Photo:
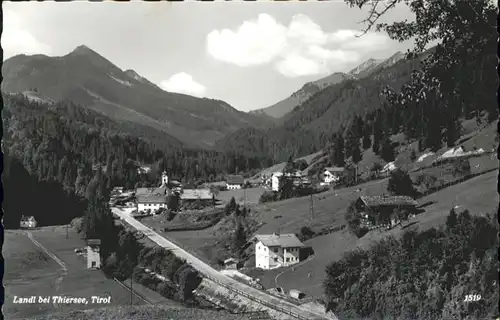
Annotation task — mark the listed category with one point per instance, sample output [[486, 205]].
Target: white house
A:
[[93, 254], [28, 222], [276, 250], [234, 182], [332, 174], [277, 177], [151, 202], [275, 181]]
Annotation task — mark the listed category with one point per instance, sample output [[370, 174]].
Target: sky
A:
[[250, 55]]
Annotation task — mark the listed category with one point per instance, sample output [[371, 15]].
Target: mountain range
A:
[[325, 111], [365, 69], [86, 78]]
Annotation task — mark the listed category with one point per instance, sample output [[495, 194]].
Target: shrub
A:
[[268, 196], [354, 221], [170, 215], [306, 233], [461, 167], [400, 183]]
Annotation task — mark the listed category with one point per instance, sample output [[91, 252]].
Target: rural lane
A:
[[64, 268], [207, 270]]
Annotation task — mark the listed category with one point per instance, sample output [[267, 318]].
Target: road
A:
[[207, 270], [64, 269]]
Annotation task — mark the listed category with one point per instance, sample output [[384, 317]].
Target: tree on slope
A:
[[400, 183]]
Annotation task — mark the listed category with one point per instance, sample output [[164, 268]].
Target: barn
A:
[[387, 211]]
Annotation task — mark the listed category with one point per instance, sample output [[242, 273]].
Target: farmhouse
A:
[[191, 195], [333, 174], [234, 182], [276, 250], [151, 202], [383, 210], [144, 169], [28, 222]]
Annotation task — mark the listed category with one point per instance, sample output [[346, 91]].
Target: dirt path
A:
[[64, 269], [293, 268]]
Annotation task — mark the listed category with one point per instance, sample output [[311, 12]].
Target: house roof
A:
[[235, 179], [140, 191], [151, 198], [230, 260], [279, 240], [376, 201], [334, 169], [93, 242], [193, 194], [159, 190]]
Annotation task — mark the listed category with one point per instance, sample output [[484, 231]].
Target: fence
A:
[[454, 182], [260, 301], [134, 292]]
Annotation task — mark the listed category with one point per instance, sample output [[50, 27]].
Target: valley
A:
[[367, 193]]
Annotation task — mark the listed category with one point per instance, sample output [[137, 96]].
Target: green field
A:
[[251, 195], [478, 195], [30, 271]]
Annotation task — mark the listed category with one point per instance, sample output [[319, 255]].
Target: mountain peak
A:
[[83, 49], [365, 67]]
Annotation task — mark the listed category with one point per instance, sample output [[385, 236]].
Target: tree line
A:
[[60, 153], [423, 275]]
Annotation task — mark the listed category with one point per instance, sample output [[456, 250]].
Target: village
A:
[[269, 251]]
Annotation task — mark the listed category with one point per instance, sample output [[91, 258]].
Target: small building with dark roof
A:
[[383, 210], [196, 194], [234, 182]]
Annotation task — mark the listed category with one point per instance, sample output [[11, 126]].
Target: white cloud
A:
[[16, 40], [299, 49], [254, 43], [183, 83]]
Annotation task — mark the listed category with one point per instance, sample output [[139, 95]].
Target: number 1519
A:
[[472, 297]]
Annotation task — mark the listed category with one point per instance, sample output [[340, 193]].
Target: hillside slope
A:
[[365, 69], [145, 313], [85, 77], [308, 127], [283, 107]]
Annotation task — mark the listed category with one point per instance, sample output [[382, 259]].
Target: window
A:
[[287, 259], [275, 250], [93, 264], [275, 259]]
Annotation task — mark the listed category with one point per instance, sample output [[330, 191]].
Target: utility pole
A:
[[131, 290], [312, 206], [244, 198]]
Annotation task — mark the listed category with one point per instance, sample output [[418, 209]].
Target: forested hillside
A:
[[310, 126], [58, 153], [85, 77], [426, 97], [448, 272], [423, 275]]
